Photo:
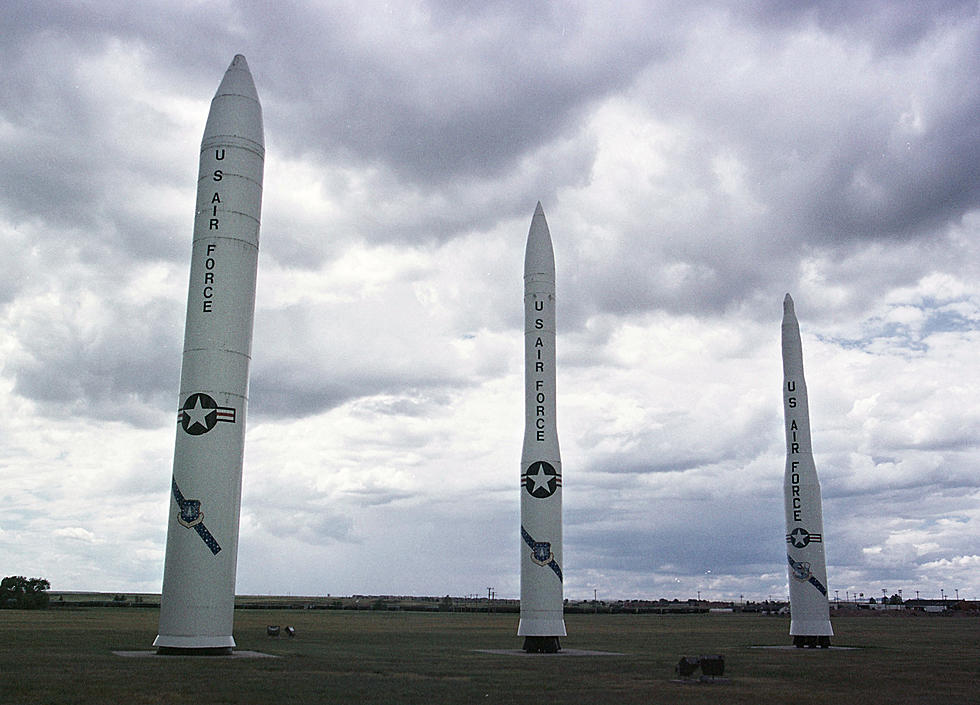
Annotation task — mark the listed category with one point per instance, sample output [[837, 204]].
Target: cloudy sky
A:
[[695, 163]]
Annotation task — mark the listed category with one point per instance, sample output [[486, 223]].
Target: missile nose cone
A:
[[238, 80], [235, 108], [792, 345], [788, 308], [539, 257]]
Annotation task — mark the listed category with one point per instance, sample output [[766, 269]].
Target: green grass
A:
[[64, 656]]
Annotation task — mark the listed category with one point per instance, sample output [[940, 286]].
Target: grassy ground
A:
[[394, 657]]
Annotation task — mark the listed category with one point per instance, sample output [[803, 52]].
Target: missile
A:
[[198, 600], [807, 566], [542, 618]]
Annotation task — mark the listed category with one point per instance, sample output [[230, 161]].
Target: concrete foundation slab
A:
[[154, 654], [563, 652]]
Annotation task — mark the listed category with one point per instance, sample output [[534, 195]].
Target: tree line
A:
[[18, 592]]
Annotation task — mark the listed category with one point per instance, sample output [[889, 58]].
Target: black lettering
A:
[[538, 383], [211, 248], [219, 154], [539, 305], [795, 479], [538, 323], [791, 402], [209, 263], [218, 175], [209, 277], [793, 466], [540, 411], [216, 198], [539, 423], [538, 344], [540, 435], [796, 515], [793, 425], [540, 398], [207, 306], [213, 225], [208, 292], [796, 490], [539, 354], [539, 367], [794, 447], [796, 502]]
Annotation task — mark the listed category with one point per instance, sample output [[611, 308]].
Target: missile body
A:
[[806, 563], [542, 617], [197, 605]]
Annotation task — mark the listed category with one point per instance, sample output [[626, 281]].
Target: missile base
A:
[[542, 644], [179, 651], [811, 642]]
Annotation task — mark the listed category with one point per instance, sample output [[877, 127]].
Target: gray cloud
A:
[[892, 28], [695, 161], [441, 95], [122, 367]]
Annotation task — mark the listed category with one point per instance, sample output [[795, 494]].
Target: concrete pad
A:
[[563, 652], [154, 654], [790, 647]]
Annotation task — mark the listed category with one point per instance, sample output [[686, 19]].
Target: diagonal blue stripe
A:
[[553, 564], [812, 580], [202, 531]]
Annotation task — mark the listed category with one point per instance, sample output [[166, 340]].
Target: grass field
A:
[[65, 656]]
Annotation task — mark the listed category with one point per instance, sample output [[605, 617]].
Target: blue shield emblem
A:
[[541, 552], [801, 569], [190, 513]]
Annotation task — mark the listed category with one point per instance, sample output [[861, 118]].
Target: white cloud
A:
[[76, 533], [695, 162]]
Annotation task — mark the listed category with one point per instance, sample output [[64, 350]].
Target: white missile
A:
[[807, 565], [197, 605], [542, 616]]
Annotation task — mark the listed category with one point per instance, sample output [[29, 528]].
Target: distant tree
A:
[[446, 604], [22, 593], [896, 600]]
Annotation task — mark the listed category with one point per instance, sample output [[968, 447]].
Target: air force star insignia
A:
[[541, 480], [200, 413], [801, 538]]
